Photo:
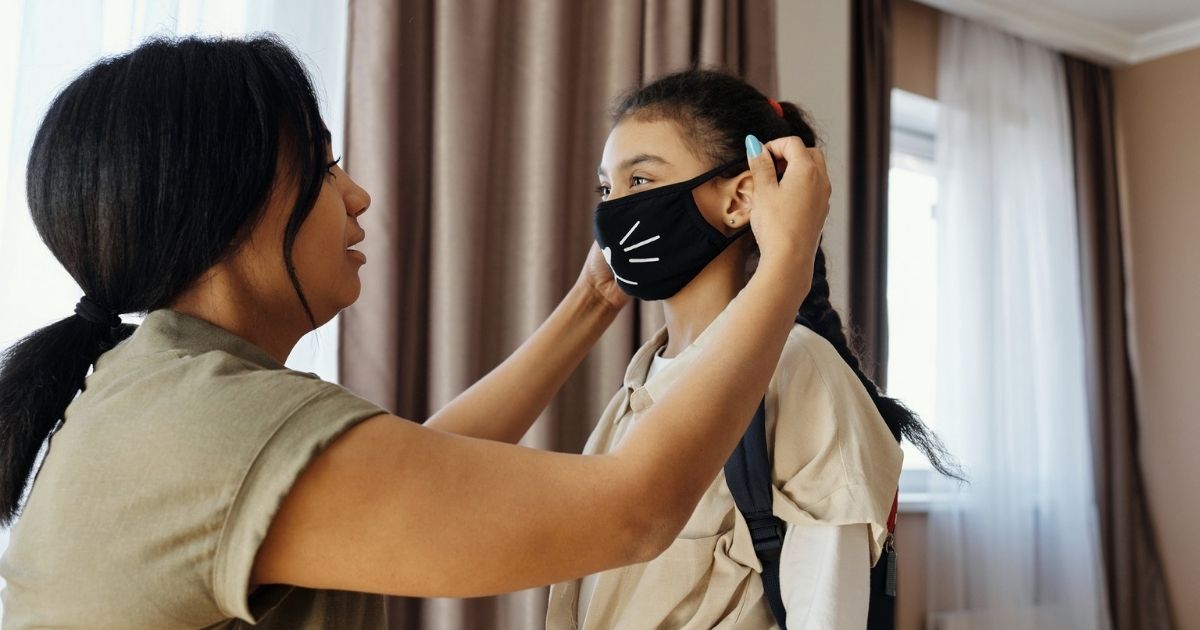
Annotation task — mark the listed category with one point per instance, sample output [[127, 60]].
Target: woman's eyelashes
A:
[[604, 190], [329, 167]]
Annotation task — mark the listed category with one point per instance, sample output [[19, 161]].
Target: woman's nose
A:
[[357, 201]]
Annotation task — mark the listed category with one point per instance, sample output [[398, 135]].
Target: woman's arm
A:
[[518, 390], [393, 507], [824, 576]]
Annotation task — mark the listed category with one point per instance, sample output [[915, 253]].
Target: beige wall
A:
[[912, 541], [915, 48], [1158, 110], [814, 72]]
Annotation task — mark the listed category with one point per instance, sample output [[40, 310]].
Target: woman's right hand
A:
[[788, 213]]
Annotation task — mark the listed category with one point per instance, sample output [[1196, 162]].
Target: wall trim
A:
[[1075, 34], [1167, 41]]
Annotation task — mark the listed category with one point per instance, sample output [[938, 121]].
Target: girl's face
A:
[[326, 262], [641, 155]]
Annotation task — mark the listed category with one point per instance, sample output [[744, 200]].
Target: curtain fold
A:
[[1137, 595], [1019, 546], [477, 128], [870, 155]]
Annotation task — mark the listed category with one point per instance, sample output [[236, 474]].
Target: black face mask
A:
[[657, 241]]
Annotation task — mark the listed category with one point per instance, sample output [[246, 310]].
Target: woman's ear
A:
[[737, 214]]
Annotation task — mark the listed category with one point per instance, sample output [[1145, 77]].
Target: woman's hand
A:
[[505, 403], [597, 278], [788, 213]]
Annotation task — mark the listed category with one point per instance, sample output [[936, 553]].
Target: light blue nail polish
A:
[[753, 146]]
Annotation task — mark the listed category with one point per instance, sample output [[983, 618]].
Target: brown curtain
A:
[[870, 155], [1137, 592], [477, 126]]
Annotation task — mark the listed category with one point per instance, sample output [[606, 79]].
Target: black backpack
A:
[[748, 474]]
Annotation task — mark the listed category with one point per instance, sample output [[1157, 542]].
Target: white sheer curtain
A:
[[1017, 548], [45, 43]]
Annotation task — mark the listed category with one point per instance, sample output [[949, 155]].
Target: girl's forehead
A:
[[633, 138]]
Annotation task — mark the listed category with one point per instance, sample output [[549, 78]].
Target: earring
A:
[[732, 221]]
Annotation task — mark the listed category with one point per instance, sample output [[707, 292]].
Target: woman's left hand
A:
[[597, 277]]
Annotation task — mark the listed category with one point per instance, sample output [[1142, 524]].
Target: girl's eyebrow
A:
[[641, 158]]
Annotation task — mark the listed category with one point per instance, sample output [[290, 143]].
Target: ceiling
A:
[[1116, 32]]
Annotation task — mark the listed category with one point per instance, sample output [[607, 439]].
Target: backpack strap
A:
[[748, 475]]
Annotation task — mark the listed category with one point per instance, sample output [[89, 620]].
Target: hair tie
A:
[[776, 106], [92, 312]]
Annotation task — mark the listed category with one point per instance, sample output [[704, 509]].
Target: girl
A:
[[673, 224], [196, 482]]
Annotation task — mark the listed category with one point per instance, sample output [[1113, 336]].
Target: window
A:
[[912, 274]]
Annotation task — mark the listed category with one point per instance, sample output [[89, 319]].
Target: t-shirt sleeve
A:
[[307, 423], [823, 580], [835, 460]]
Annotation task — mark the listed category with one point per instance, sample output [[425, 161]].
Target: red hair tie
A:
[[776, 106]]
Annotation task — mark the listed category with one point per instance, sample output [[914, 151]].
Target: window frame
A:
[[914, 147]]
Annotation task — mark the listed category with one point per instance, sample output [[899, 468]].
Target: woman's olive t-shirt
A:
[[160, 484]]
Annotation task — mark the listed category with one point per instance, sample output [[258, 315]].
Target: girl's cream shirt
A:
[[835, 462]]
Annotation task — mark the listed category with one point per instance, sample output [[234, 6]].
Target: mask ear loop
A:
[[712, 174], [698, 218]]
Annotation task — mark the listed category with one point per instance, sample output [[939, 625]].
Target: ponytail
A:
[[39, 376]]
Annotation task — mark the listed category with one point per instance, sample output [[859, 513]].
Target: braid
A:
[[824, 320]]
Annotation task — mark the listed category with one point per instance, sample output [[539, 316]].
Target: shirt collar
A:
[[166, 329], [635, 375]]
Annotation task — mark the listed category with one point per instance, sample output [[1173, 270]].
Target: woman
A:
[[196, 482], [674, 221]]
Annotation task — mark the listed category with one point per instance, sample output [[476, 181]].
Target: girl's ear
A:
[[741, 203]]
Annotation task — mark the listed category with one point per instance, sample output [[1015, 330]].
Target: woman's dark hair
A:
[[716, 111], [148, 169]]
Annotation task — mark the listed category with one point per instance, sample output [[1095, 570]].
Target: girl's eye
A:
[[634, 182], [329, 167], [603, 190]]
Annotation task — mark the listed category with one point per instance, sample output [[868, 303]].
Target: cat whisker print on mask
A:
[[608, 259], [633, 247], [645, 242], [630, 232], [607, 251]]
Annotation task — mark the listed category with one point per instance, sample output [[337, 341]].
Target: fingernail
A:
[[753, 146]]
